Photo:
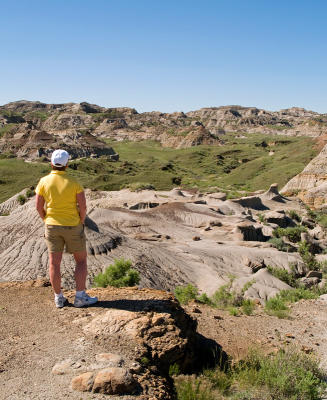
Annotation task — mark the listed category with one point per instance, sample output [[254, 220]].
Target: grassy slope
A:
[[201, 166]]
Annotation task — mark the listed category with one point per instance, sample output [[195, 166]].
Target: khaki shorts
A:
[[57, 236]]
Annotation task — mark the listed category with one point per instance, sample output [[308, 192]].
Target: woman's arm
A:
[[81, 201], [40, 205]]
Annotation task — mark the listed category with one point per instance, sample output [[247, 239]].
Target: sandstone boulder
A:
[[83, 382], [169, 337], [114, 381]]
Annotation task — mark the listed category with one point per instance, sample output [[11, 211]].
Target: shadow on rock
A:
[[210, 354]]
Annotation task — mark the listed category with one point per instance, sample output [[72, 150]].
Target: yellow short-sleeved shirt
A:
[[59, 192]]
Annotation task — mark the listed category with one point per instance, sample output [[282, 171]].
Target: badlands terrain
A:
[[189, 198], [172, 238]]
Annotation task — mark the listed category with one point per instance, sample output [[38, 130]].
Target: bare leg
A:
[[54, 271], [80, 270]]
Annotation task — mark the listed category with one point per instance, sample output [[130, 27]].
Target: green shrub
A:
[[30, 193], [118, 274], [144, 361], [219, 379], [307, 257], [223, 297], [294, 215], [247, 306], [310, 213], [289, 374], [293, 234], [247, 286], [262, 218], [283, 275], [174, 369], [21, 199], [193, 390], [322, 221], [279, 244], [294, 295], [185, 294], [277, 307], [320, 217], [203, 298], [233, 311]]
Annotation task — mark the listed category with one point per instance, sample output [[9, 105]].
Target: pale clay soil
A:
[[34, 336]]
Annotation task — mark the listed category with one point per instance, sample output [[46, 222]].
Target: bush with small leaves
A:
[[279, 244], [294, 215], [308, 258], [233, 311], [283, 275], [203, 298], [262, 218], [294, 295], [184, 294], [174, 369], [289, 374], [247, 306], [277, 307], [30, 193], [292, 233], [21, 199], [144, 361], [119, 274], [286, 375]]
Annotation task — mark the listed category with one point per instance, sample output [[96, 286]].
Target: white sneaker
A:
[[85, 300], [60, 301]]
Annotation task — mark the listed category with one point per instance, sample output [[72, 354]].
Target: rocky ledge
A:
[[124, 345]]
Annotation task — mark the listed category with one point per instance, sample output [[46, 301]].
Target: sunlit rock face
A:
[[311, 183]]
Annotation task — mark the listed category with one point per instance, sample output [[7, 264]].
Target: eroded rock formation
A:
[[25, 124], [310, 184], [160, 241]]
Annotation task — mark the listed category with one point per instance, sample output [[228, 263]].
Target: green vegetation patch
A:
[[109, 114], [287, 375], [42, 115], [292, 233], [283, 275], [224, 298], [16, 175], [119, 274], [6, 129], [238, 165]]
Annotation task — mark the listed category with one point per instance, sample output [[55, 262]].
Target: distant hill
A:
[[26, 126]]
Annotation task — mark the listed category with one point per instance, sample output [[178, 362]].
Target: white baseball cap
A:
[[59, 158]]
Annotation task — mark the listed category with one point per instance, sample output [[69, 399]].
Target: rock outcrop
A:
[[293, 121], [173, 238], [122, 346], [310, 184], [28, 125]]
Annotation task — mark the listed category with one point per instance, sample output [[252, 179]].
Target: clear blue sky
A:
[[165, 55]]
